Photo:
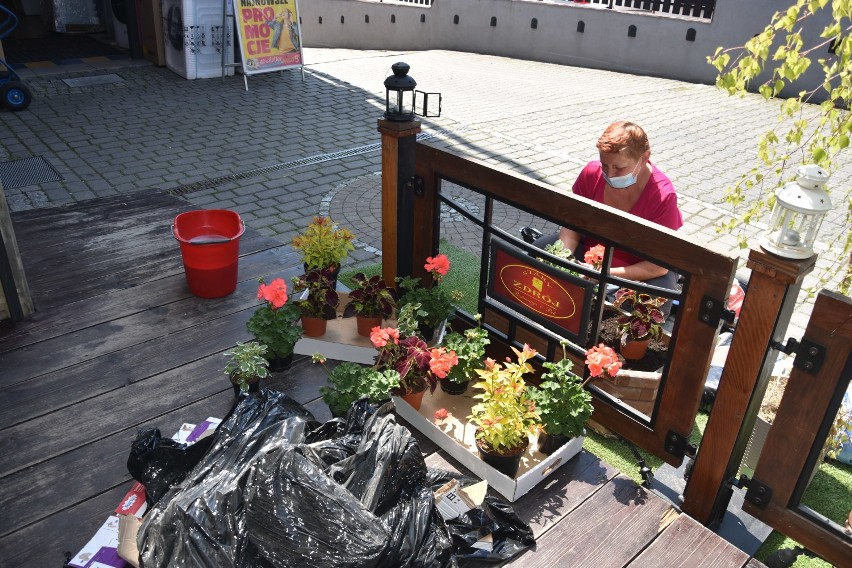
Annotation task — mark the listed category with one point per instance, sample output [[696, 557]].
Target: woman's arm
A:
[[640, 271], [570, 239]]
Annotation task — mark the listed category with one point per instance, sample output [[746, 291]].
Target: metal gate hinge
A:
[[713, 311], [809, 355], [415, 184], [678, 444], [758, 494]]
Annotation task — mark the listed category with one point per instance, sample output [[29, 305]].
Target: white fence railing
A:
[[694, 8]]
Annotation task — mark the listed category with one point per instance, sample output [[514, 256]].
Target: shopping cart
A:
[[14, 94]]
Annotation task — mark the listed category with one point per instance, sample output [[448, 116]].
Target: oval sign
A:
[[537, 291]]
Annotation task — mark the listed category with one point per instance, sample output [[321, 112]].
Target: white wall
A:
[[659, 48]]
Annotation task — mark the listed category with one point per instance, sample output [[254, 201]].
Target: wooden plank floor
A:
[[118, 343]]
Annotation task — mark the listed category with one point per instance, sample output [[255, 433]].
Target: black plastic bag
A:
[[510, 535], [277, 489], [161, 463]]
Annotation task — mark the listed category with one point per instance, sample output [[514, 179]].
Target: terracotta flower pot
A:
[[366, 324], [414, 399], [314, 327], [507, 464], [635, 349]]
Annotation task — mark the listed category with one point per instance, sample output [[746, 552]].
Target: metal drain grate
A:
[[27, 171], [93, 80], [319, 158]]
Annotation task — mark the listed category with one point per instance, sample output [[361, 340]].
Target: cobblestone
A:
[[192, 130]]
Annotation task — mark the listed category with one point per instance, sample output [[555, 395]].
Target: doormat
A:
[[27, 171], [93, 80]]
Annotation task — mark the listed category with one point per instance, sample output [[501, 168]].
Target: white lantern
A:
[[799, 210]]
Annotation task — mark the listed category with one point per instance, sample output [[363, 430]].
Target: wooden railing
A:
[[707, 276], [794, 446]]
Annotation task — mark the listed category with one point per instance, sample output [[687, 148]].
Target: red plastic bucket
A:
[[210, 246]]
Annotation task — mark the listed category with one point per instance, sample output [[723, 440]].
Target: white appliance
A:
[[194, 38]]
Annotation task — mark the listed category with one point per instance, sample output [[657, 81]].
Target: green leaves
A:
[[805, 133]]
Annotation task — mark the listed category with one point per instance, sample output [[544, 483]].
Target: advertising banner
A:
[[554, 298], [270, 35]]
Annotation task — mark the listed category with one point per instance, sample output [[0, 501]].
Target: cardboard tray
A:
[[341, 341], [455, 436]]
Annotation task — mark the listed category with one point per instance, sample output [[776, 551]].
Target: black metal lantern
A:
[[399, 94]]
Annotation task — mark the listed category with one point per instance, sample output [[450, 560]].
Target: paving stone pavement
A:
[[291, 148]]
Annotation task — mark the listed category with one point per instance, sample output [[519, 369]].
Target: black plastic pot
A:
[[549, 443], [451, 387]]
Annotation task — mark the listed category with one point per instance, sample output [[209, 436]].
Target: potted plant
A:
[[323, 245], [351, 382], [642, 322], [371, 301], [319, 300], [469, 347], [275, 323], [418, 367], [506, 416], [563, 404], [437, 304], [246, 366]]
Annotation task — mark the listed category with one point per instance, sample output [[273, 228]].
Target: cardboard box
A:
[[454, 435]]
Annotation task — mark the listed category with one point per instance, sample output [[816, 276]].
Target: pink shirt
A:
[[657, 203]]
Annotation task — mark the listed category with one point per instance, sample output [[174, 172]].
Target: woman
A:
[[625, 178]]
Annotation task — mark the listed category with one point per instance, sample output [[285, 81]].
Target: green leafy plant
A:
[[371, 297], [804, 133], [644, 319], [417, 366], [275, 323], [838, 434], [437, 304], [469, 347], [321, 299], [247, 364], [322, 244], [561, 400], [351, 382], [505, 417]]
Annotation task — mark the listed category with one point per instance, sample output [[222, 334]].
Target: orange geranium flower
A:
[[379, 336], [442, 361], [438, 265], [602, 360], [275, 292], [594, 256]]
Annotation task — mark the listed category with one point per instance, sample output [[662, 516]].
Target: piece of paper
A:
[[133, 502], [203, 430], [100, 551], [452, 501]]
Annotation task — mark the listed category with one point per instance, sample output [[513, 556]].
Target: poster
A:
[[270, 36]]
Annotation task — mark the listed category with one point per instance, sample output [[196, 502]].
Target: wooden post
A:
[[15, 300], [768, 305], [398, 142]]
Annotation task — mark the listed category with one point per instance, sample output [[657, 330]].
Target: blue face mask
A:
[[622, 182]]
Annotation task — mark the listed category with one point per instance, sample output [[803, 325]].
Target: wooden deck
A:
[[118, 343]]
